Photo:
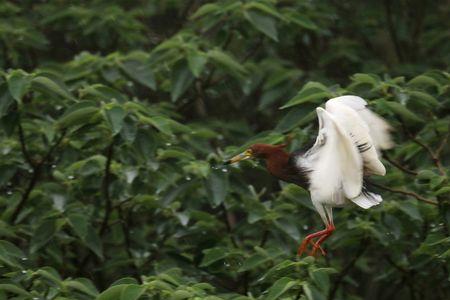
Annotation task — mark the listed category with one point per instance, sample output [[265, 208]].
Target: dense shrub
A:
[[115, 117]]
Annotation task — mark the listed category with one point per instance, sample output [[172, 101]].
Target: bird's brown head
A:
[[262, 151]]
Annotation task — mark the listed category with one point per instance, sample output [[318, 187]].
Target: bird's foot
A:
[[316, 247]]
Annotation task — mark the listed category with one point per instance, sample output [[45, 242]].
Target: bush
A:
[[115, 119]]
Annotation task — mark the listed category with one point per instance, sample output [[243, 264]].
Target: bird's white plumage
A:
[[345, 150], [378, 127]]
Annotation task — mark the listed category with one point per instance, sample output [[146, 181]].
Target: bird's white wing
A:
[[366, 129], [378, 127], [334, 160]]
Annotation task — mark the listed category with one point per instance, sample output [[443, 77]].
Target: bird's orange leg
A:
[[308, 239], [317, 244]]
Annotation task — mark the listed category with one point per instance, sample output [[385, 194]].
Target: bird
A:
[[346, 151]]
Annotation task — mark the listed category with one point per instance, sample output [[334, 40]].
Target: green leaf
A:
[[263, 7], [122, 292], [9, 255], [181, 294], [10, 249], [5, 100], [18, 84], [401, 111], [427, 99], [79, 224], [312, 293], [217, 186], [424, 81], [115, 118], [263, 23], [313, 92], [94, 242], [82, 285], [206, 9], [14, 289], [182, 79], [213, 255], [254, 261], [196, 61], [321, 278], [86, 232], [50, 274], [132, 292], [297, 117], [80, 116], [443, 191], [360, 78], [43, 234], [175, 153], [410, 208], [280, 287], [227, 62], [139, 72], [47, 86], [302, 21], [103, 92], [164, 124]]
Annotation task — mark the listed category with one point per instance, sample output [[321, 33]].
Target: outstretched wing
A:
[[334, 159], [378, 127], [345, 149], [368, 131]]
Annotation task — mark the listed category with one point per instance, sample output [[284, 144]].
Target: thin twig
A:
[[34, 179], [23, 146], [105, 188], [408, 275], [229, 219], [407, 193], [399, 166], [442, 145], [125, 222], [264, 237], [347, 268], [433, 155]]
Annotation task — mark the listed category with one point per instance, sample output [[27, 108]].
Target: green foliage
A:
[[115, 118]]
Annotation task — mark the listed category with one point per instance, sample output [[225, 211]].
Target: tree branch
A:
[[347, 268], [399, 166], [34, 179], [433, 155], [407, 193], [442, 145], [23, 146], [105, 188]]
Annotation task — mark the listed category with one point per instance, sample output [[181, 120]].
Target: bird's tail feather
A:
[[367, 199]]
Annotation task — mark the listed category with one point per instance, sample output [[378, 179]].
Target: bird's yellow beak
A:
[[244, 155]]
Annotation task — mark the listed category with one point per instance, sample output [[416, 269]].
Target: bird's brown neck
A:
[[277, 162]]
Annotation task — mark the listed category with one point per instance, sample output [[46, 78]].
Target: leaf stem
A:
[[105, 188]]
